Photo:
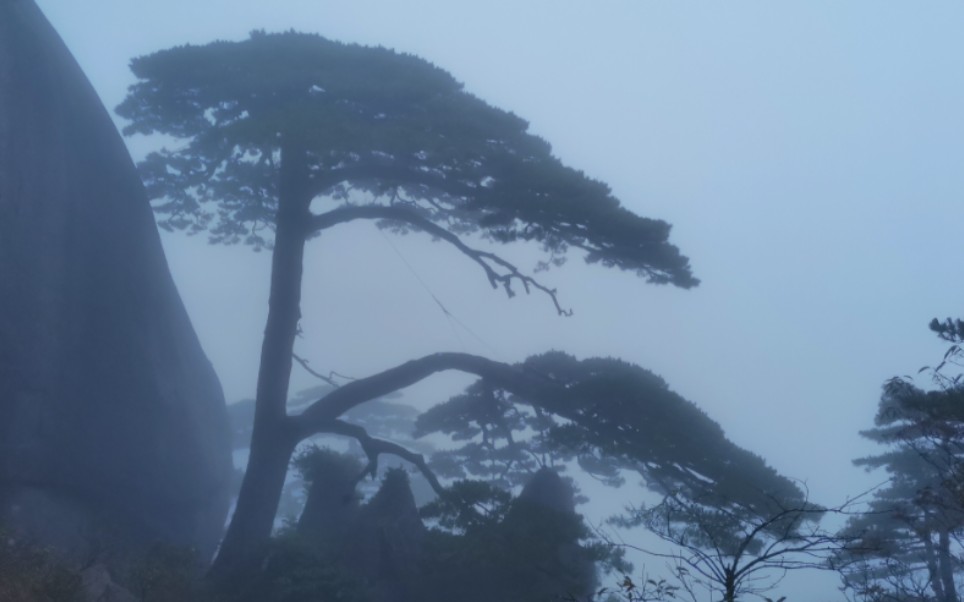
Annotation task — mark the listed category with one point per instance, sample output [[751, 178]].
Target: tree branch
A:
[[304, 364], [499, 271], [784, 544], [521, 382], [374, 447]]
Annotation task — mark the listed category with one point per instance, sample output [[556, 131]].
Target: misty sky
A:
[[808, 154]]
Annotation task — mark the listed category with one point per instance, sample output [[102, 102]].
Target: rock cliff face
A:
[[332, 505], [545, 512], [112, 421], [385, 542]]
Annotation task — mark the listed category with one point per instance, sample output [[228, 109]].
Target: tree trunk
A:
[[273, 439], [946, 561], [729, 587], [250, 528], [933, 571]]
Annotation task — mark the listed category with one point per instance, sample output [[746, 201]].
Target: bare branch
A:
[[304, 364], [374, 447], [498, 271], [746, 544]]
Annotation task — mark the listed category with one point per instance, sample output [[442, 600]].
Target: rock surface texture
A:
[[384, 544], [112, 421]]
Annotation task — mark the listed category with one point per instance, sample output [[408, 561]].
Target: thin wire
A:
[[449, 316]]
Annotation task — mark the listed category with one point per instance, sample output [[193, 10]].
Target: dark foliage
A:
[[910, 536], [278, 127], [373, 121], [533, 547], [469, 505], [532, 556], [736, 521], [609, 416], [951, 330]]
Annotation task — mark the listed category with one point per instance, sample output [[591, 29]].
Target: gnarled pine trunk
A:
[[273, 440]]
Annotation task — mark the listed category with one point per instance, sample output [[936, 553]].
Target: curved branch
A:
[[521, 382], [499, 271], [374, 447]]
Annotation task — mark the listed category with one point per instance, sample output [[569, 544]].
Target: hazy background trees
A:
[[910, 546]]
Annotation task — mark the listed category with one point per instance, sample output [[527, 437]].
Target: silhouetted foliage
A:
[[612, 417], [735, 518], [951, 330], [469, 505], [370, 120], [272, 124], [535, 548], [909, 535]]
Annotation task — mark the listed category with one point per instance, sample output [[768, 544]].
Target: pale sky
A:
[[809, 155]]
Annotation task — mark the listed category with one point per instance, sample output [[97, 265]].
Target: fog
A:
[[807, 154]]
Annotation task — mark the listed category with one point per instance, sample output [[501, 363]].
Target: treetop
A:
[[375, 127]]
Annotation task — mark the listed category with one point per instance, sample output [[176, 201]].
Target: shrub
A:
[[30, 573]]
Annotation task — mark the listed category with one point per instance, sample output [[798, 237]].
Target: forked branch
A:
[[498, 271], [374, 447]]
